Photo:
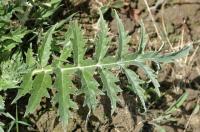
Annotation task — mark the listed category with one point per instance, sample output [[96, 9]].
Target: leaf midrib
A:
[[118, 63]]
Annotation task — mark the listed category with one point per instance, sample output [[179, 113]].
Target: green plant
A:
[[11, 72], [166, 116], [10, 34], [2, 107], [14, 121], [110, 4], [48, 69], [14, 19]]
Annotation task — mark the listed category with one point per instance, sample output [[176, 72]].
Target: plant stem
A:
[[49, 70]]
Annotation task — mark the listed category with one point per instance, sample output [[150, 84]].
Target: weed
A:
[[39, 79], [45, 69]]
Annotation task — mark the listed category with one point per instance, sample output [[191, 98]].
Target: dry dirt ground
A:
[[178, 24]]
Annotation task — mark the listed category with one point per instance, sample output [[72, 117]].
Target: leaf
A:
[[50, 8], [170, 57], [90, 88], [1, 129], [143, 39], [123, 37], [78, 43], [30, 60], [65, 53], [104, 9], [177, 104], [44, 51], [150, 73], [11, 72], [102, 39], [109, 80], [40, 84], [64, 86], [117, 4], [67, 48], [2, 104], [7, 84], [25, 87], [62, 22], [15, 35], [166, 58], [23, 123], [135, 82], [196, 109]]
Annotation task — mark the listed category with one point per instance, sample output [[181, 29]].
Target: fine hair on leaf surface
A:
[[59, 73]]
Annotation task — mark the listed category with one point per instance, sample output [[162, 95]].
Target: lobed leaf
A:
[[150, 73], [135, 82], [44, 50], [102, 39], [143, 39], [67, 48], [90, 88], [74, 44], [64, 86], [109, 80], [123, 38], [40, 84], [170, 57], [65, 53], [78, 43], [166, 58], [30, 60], [25, 87]]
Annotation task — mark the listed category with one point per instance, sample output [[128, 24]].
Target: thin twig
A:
[[188, 122], [164, 28], [154, 23]]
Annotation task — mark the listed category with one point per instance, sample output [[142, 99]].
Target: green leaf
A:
[[150, 73], [30, 60], [104, 9], [177, 104], [117, 4], [67, 48], [135, 82], [64, 87], [170, 57], [11, 72], [110, 87], [37, 82], [62, 22], [15, 35], [166, 58], [65, 53], [7, 84], [2, 104], [90, 88], [40, 84], [123, 38], [78, 43], [143, 39], [196, 109], [25, 87], [102, 39], [1, 129], [44, 51], [50, 8]]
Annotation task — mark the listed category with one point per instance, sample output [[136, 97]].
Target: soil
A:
[[182, 25]]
